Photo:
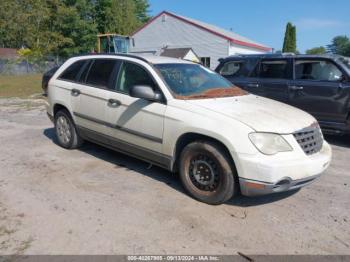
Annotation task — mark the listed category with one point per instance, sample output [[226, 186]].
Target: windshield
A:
[[191, 81], [345, 61]]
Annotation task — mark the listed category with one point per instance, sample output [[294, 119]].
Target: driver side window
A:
[[319, 70], [130, 75]]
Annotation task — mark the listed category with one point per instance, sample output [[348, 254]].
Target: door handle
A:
[[75, 92], [253, 85], [296, 88], [113, 103]]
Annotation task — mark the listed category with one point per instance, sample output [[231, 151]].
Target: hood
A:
[[261, 114]]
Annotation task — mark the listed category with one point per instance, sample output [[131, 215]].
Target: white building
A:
[[209, 42]]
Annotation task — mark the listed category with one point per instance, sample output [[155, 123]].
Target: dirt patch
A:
[[12, 242]]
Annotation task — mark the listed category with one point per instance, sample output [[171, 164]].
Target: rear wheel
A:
[[66, 132], [206, 172]]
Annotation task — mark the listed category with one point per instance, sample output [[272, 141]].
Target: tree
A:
[[141, 9], [340, 45], [289, 43], [66, 27], [316, 51], [120, 16], [74, 22], [293, 39], [48, 26], [13, 23], [103, 15]]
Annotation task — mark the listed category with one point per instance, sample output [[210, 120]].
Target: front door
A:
[[274, 75], [137, 122], [318, 89]]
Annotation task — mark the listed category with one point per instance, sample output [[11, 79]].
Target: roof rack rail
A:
[[115, 54]]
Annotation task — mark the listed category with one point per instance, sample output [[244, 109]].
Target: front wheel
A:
[[66, 132], [206, 172]]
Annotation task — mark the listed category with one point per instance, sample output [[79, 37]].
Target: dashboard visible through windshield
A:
[[192, 81]]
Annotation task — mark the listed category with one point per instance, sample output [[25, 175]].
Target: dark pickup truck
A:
[[317, 84]]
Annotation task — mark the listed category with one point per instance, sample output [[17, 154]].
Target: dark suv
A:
[[319, 84]]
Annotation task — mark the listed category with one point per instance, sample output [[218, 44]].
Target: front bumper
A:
[[256, 188], [260, 175]]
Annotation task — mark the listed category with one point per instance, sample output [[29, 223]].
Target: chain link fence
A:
[[23, 67]]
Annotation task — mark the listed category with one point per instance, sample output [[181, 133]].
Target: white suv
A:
[[186, 118]]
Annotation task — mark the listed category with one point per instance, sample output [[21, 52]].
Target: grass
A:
[[21, 86]]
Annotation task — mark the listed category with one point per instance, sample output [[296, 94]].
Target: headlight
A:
[[269, 143]]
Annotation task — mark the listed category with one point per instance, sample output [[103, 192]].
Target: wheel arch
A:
[[59, 106], [190, 137]]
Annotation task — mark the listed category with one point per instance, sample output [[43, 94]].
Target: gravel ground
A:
[[96, 201]]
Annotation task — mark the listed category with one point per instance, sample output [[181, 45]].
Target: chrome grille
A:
[[310, 139]]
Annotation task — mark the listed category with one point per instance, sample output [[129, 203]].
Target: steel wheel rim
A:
[[63, 129], [204, 173]]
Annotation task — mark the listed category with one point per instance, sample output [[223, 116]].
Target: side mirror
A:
[[145, 92], [344, 78]]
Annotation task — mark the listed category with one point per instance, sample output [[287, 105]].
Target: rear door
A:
[[93, 92], [274, 77], [318, 88], [242, 73], [67, 84]]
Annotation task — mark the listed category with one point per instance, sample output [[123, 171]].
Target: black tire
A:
[[74, 140], [207, 172]]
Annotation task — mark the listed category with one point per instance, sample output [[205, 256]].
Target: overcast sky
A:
[[264, 21]]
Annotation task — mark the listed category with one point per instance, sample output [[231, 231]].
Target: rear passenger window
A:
[[274, 69], [72, 71], [317, 70], [85, 71], [231, 68], [131, 75], [100, 72]]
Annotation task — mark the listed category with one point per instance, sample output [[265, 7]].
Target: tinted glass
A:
[[131, 75], [190, 80], [85, 71], [273, 69], [317, 70], [100, 72], [72, 71], [231, 68]]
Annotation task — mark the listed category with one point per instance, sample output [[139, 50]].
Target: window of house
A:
[[100, 72], [231, 68], [130, 75], [273, 69], [205, 61], [317, 70], [71, 73]]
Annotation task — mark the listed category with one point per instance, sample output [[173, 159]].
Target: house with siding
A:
[[210, 43]]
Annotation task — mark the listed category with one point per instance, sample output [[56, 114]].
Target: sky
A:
[[264, 21]]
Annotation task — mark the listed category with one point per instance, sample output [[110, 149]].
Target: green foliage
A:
[[66, 27], [316, 51], [340, 45], [290, 40], [141, 10], [120, 16]]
